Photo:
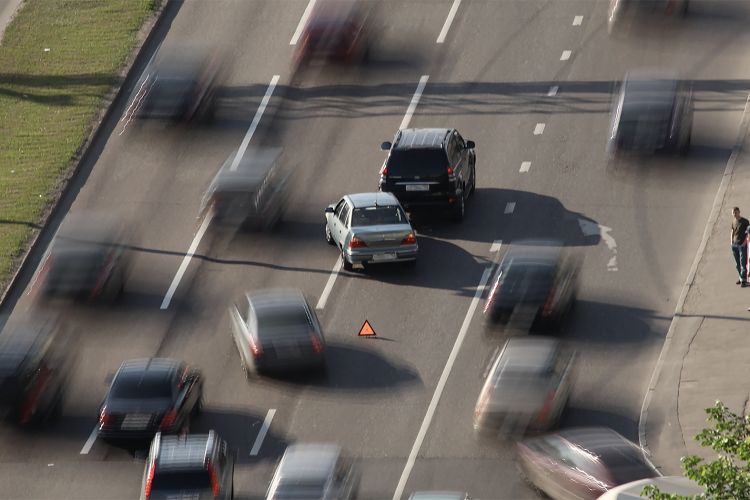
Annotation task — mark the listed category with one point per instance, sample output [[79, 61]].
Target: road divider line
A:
[[510, 207], [525, 166], [186, 261], [262, 433], [254, 123], [565, 55], [539, 129], [414, 101], [577, 21], [441, 384], [448, 21], [302, 22], [89, 442], [329, 285]]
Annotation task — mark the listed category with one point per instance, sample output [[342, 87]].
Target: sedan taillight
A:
[[409, 240], [356, 243], [317, 345]]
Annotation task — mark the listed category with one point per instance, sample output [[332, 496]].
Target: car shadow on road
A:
[[578, 416], [597, 323]]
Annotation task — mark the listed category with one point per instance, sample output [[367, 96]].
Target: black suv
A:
[[430, 168], [190, 466]]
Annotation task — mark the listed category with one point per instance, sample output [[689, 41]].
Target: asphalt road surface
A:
[[530, 82]]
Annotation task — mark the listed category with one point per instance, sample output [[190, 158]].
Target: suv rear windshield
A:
[[417, 162], [181, 480], [373, 216]]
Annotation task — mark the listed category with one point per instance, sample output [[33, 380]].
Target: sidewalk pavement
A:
[[707, 357], [8, 9]]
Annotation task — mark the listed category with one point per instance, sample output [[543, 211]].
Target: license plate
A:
[[417, 187], [135, 421], [378, 257]]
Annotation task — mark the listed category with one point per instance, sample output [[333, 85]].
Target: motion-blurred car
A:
[[537, 280], [87, 260], [527, 387], [621, 11], [179, 84], [150, 395], [653, 112], [337, 30], [582, 463], [370, 228], [277, 331], [430, 169], [36, 357], [438, 495], [193, 466], [319, 471], [248, 192]]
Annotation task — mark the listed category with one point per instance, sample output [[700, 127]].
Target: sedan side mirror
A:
[[329, 210], [470, 145], [386, 146]]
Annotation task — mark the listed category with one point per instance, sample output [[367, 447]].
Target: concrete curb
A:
[[689, 281], [144, 37]]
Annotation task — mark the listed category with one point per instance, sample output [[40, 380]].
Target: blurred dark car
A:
[[582, 463], [537, 280], [87, 260], [622, 11], [337, 30], [36, 359], [527, 387], [652, 113], [179, 84], [319, 471], [150, 395], [193, 466], [277, 331], [249, 192]]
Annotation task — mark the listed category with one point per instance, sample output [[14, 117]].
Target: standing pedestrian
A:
[[739, 244]]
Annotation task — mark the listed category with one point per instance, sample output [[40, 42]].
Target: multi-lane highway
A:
[[530, 82]]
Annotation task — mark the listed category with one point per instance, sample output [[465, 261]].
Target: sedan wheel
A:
[[329, 237]]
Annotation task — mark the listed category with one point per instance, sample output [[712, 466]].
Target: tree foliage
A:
[[728, 476]]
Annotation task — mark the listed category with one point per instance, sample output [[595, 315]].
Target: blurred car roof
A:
[[310, 461]]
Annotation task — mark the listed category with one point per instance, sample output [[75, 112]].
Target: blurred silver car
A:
[[527, 387], [438, 495], [277, 330], [248, 192], [319, 471], [370, 228]]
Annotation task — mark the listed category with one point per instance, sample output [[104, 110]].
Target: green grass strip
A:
[[49, 98]]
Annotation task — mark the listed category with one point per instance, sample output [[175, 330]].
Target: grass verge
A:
[[58, 61]]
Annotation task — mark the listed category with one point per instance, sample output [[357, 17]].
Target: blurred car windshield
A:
[[141, 388], [373, 216], [294, 489], [181, 480]]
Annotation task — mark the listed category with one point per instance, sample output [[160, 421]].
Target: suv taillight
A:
[[255, 350], [356, 243], [149, 482], [450, 170], [384, 170], [214, 479]]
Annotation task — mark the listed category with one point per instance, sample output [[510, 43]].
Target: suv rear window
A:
[[181, 480], [417, 162]]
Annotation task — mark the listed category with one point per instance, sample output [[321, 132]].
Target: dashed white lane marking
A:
[[186, 260], [448, 21], [525, 166], [577, 20], [565, 55], [510, 207], [539, 129], [329, 284], [553, 90], [262, 433], [302, 22], [89, 442], [255, 122], [496, 245], [441, 385], [414, 101]]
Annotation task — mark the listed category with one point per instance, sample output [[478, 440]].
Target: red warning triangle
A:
[[366, 330]]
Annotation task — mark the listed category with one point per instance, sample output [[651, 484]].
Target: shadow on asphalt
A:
[[604, 323], [588, 417]]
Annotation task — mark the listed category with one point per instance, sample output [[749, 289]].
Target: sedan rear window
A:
[[137, 387], [373, 216], [287, 322], [417, 162]]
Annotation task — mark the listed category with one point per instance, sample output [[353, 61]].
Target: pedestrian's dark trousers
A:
[[740, 258]]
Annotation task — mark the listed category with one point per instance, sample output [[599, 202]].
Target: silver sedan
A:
[[370, 228]]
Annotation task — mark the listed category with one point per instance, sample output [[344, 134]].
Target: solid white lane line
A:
[[525, 166], [577, 20], [553, 90], [302, 22], [441, 385], [510, 207], [496, 245], [254, 124], [539, 129], [329, 284], [448, 21], [89, 443], [414, 101], [186, 261], [262, 433], [565, 55]]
